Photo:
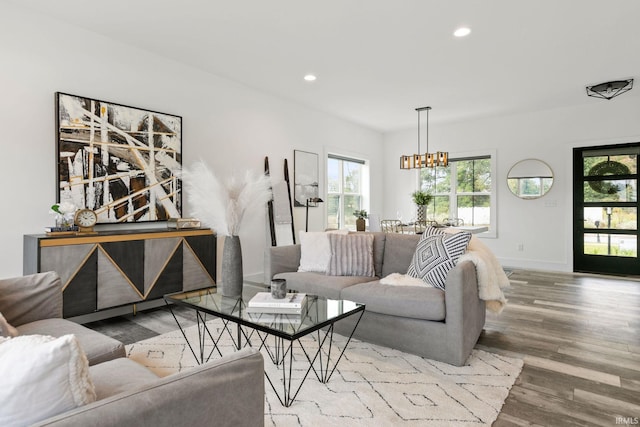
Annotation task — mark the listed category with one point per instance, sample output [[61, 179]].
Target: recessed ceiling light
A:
[[462, 32], [310, 77]]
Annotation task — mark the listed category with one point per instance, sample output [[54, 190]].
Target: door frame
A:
[[602, 264]]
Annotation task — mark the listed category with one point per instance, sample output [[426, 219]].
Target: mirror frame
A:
[[515, 182]]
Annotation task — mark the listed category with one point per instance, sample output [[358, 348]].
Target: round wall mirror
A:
[[530, 179]]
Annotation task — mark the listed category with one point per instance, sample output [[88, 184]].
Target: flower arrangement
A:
[[421, 198], [222, 205], [64, 214], [361, 214]]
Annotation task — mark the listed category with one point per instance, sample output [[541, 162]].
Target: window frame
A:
[[453, 193], [364, 186]]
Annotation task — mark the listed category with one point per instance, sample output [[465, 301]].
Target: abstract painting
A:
[[122, 162], [305, 176]]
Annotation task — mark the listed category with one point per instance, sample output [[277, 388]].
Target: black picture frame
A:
[[122, 162], [305, 177]]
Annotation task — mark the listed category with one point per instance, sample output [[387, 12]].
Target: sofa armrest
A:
[[224, 392], [281, 259], [29, 298], [465, 311]]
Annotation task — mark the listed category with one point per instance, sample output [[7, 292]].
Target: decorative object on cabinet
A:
[[116, 268], [305, 177], [121, 162], [64, 213], [222, 206], [182, 223], [85, 220]]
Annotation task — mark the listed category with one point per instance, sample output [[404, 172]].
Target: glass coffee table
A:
[[318, 315]]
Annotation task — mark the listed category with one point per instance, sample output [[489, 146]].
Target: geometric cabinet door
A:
[[112, 269]]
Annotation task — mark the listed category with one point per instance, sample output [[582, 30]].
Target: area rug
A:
[[372, 385]]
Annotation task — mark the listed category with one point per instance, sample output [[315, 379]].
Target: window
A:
[[462, 190], [345, 190]]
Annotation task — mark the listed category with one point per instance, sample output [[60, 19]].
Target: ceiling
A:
[[377, 60]]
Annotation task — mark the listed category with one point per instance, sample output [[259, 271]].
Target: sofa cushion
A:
[[436, 255], [351, 255], [398, 252], [424, 303], [42, 376], [98, 347], [320, 284], [42, 292], [118, 375]]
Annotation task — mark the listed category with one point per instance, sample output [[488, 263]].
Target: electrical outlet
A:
[[520, 247]]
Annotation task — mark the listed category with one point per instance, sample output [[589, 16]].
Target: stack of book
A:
[[275, 318], [263, 302]]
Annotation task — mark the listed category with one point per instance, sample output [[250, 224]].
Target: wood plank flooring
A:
[[579, 336]]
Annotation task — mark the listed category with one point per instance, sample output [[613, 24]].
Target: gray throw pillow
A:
[[436, 254], [351, 255]]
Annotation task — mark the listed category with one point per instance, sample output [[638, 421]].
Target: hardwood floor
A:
[[579, 336]]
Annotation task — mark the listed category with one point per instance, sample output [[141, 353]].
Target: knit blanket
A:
[[491, 276]]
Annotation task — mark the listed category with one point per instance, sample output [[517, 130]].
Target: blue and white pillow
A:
[[436, 254]]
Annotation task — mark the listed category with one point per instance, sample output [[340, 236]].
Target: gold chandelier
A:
[[426, 160]]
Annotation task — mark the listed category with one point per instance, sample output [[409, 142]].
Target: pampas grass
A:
[[222, 205]]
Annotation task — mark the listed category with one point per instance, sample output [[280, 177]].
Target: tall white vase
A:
[[231, 285]]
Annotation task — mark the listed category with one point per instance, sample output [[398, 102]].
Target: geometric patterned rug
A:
[[372, 385]]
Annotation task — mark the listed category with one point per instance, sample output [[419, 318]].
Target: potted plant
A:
[[360, 215], [421, 199]]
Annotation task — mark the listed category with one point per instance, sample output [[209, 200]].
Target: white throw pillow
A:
[[315, 251], [6, 330], [42, 376]]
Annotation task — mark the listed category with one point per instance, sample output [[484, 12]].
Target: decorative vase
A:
[[420, 213], [360, 224], [231, 285], [64, 221]]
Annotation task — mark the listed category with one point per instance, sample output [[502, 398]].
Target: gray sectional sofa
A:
[[426, 321], [226, 392]]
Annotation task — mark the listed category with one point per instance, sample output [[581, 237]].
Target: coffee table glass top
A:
[[317, 312]]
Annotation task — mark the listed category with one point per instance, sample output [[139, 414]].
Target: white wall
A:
[[543, 226], [226, 124]]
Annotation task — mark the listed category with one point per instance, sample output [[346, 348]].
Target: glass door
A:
[[605, 188]]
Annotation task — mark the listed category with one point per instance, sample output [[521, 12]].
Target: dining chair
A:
[[391, 226]]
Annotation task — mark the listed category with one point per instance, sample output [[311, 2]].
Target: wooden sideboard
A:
[[118, 268]]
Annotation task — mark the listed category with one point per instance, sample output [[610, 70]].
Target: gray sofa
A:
[[226, 392], [425, 321]]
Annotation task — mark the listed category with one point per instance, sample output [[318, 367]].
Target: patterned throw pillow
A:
[[436, 254], [351, 255]]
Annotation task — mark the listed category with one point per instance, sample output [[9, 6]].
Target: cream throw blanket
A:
[[491, 276]]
